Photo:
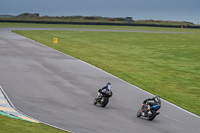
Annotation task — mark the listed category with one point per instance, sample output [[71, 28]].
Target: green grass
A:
[[12, 125], [164, 64]]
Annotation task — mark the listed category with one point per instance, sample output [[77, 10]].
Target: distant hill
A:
[[28, 15]]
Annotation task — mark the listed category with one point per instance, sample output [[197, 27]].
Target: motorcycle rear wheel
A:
[[150, 118], [105, 101]]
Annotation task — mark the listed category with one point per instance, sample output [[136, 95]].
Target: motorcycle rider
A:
[[150, 102], [107, 87]]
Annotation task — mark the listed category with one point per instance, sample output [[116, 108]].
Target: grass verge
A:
[[12, 125]]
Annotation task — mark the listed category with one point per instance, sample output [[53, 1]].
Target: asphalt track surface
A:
[[58, 90]]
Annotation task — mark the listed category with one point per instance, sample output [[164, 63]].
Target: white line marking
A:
[[173, 119]]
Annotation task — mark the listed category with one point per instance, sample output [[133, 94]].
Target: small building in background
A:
[[129, 20]]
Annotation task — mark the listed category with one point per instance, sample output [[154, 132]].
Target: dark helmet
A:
[[157, 98], [108, 83]]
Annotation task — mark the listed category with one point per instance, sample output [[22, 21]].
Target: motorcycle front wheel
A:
[[139, 114], [95, 102]]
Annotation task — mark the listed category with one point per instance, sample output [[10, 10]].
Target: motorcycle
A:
[[103, 99], [150, 112]]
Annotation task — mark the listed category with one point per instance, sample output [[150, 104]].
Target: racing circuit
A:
[[58, 90]]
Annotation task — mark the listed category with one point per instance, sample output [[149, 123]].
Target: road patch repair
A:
[[7, 109]]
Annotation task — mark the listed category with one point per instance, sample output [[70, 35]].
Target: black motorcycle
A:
[[103, 99], [149, 111]]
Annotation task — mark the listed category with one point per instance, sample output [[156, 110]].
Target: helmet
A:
[[108, 83], [157, 98], [109, 86]]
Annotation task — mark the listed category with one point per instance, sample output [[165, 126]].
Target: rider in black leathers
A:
[[150, 101], [107, 87]]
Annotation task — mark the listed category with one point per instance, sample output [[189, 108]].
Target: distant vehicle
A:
[[111, 19]]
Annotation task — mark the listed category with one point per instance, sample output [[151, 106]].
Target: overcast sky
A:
[[178, 10]]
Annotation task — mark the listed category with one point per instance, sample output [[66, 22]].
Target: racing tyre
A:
[[152, 116], [139, 114], [95, 102], [104, 101]]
